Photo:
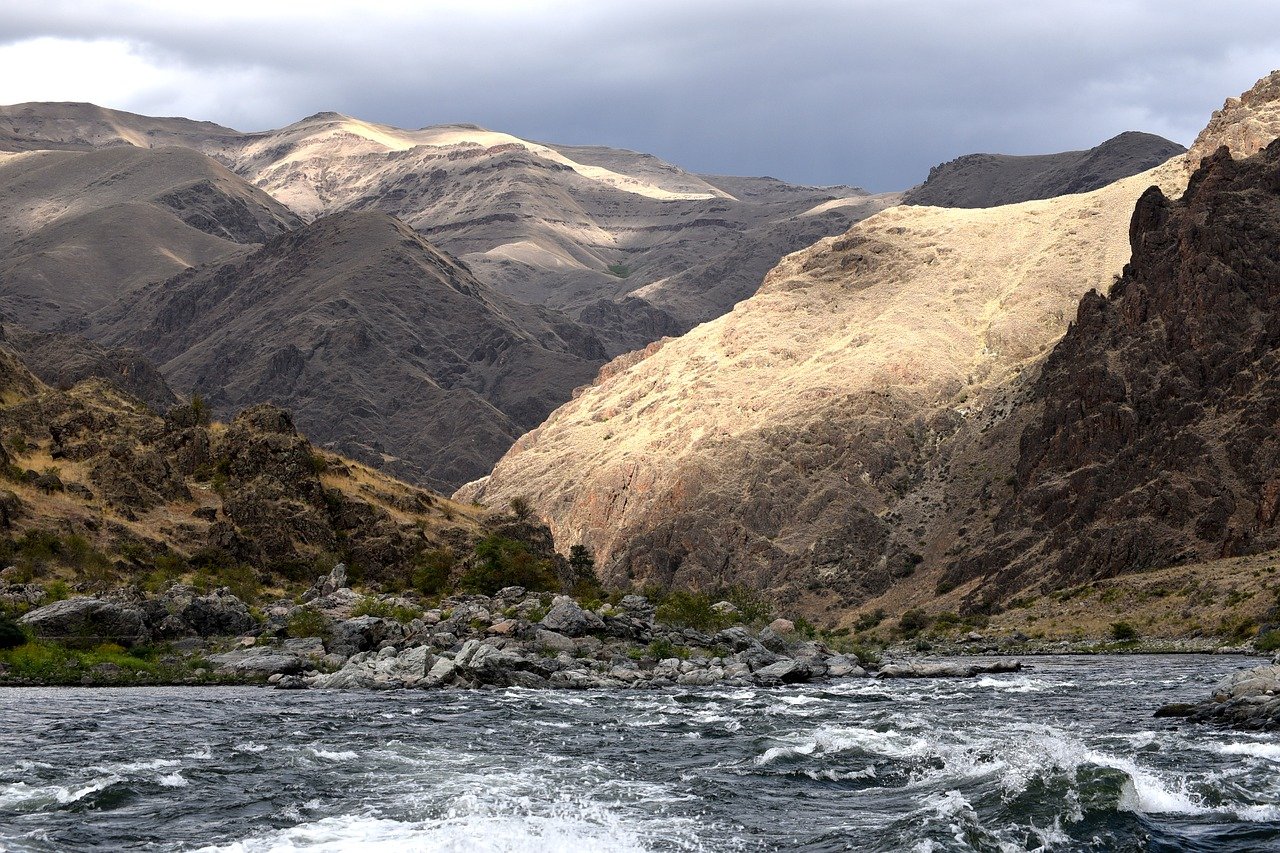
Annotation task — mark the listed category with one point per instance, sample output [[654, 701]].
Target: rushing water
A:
[[1064, 756]]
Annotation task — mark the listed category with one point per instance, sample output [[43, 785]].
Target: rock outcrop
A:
[[990, 180], [1155, 436], [62, 360], [1248, 700], [1245, 125], [255, 492]]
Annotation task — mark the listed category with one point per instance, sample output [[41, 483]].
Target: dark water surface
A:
[[1063, 757]]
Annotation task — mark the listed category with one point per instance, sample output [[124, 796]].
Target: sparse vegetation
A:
[[620, 270], [307, 623], [1123, 632], [502, 562]]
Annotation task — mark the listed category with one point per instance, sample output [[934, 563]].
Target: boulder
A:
[[218, 614], [362, 634], [257, 661], [782, 626], [89, 620], [784, 672], [1259, 681], [566, 617]]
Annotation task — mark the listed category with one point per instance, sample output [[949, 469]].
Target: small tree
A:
[[521, 508], [201, 409]]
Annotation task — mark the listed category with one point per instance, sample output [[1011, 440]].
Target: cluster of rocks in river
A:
[[512, 639], [1248, 699]]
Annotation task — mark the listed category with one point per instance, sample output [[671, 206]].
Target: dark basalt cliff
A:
[[1158, 440]]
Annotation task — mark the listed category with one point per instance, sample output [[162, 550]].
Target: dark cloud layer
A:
[[868, 92]]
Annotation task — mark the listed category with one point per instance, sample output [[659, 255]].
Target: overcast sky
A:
[[866, 92]]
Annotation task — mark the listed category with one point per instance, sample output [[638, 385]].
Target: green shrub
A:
[[56, 591], [913, 622], [241, 579], [586, 585], [521, 508], [201, 410], [1268, 642], [307, 623], [1123, 632], [620, 270], [685, 609], [867, 621], [11, 634], [754, 608], [662, 648], [373, 606], [502, 562], [432, 570]]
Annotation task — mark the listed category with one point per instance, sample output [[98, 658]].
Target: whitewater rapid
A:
[[1065, 756]]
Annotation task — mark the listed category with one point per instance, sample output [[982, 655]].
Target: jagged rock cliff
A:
[[1154, 436]]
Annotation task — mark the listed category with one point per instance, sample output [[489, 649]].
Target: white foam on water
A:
[[173, 780], [1269, 751], [250, 746], [450, 835], [335, 755], [1015, 684]]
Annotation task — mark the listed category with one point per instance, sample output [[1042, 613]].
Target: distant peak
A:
[[327, 115]]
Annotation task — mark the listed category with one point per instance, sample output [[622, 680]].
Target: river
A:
[[1063, 756]]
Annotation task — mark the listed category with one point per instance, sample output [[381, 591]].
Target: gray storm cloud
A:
[[867, 93]]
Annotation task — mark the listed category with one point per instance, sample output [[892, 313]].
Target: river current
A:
[[1063, 756]]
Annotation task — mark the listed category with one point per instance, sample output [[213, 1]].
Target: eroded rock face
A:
[[1245, 125], [1158, 440]]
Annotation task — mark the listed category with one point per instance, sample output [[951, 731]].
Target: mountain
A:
[[87, 469], [842, 433], [990, 180], [384, 347], [633, 246], [79, 229], [1152, 427], [63, 360]]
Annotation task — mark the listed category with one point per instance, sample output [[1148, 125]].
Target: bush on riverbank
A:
[[44, 662]]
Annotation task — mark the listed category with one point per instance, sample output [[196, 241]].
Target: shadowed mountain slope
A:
[[384, 347], [79, 229], [990, 180]]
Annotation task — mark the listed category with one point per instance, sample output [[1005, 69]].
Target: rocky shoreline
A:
[[514, 638]]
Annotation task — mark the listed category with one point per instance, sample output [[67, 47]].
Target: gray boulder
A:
[[89, 620], [219, 614], [1259, 681], [566, 617], [785, 672], [259, 661], [362, 634]]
